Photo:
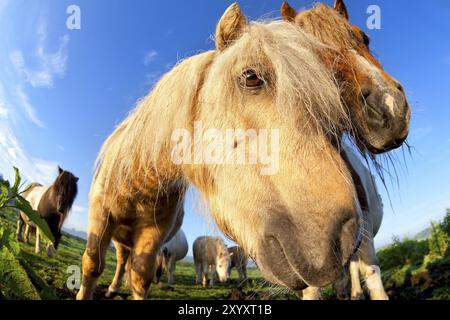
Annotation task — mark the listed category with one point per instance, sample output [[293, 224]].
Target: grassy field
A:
[[411, 270], [54, 273]]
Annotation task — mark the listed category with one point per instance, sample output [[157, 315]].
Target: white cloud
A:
[[12, 153], [150, 57], [3, 111], [29, 110], [49, 64], [32, 169]]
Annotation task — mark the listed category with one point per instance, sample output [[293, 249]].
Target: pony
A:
[[366, 262], [301, 225], [239, 260], [53, 203], [377, 103], [211, 254], [174, 250]]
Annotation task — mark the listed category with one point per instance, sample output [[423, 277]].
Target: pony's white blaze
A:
[[389, 101], [371, 69]]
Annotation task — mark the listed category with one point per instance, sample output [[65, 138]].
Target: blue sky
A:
[[63, 91]]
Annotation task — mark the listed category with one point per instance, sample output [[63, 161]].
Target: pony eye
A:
[[250, 80]]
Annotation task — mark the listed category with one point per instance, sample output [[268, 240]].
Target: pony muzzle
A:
[[298, 260], [388, 115]]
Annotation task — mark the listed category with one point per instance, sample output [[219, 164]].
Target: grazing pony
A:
[[239, 260], [210, 255], [52, 203], [174, 250], [301, 224]]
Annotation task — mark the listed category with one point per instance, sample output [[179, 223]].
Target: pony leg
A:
[[357, 292], [93, 262], [38, 246], [27, 233], [20, 224], [171, 264], [122, 254], [147, 241], [371, 271], [204, 275], [198, 270], [213, 276], [340, 287], [312, 293]]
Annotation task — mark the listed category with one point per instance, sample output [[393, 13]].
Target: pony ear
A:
[[60, 170], [77, 179], [340, 7], [230, 27], [287, 12]]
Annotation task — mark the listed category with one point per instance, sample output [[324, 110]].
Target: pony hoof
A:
[[110, 294], [358, 296]]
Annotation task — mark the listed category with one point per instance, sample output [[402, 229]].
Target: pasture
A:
[[53, 271], [412, 269]]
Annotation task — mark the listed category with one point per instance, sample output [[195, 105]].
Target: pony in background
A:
[[211, 257], [53, 203]]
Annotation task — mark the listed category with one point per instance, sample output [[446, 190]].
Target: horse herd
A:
[[311, 76]]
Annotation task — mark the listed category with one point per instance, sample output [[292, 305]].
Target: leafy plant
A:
[[12, 198]]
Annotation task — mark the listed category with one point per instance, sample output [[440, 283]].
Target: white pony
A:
[[365, 263], [174, 250]]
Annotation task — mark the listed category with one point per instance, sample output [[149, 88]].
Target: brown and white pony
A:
[[377, 105], [53, 203], [376, 101], [301, 225]]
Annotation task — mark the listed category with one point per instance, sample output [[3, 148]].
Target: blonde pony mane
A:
[[138, 151]]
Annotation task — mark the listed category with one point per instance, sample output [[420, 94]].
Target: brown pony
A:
[[52, 203], [376, 101], [301, 224]]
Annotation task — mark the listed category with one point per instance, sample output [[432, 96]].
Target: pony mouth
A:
[[285, 272]]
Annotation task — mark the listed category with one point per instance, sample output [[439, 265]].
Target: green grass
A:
[[53, 272], [410, 271]]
